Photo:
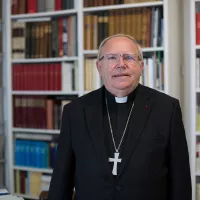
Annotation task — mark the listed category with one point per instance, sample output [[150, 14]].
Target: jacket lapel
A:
[[142, 108], [94, 115]]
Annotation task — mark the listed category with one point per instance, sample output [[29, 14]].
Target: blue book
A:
[[31, 154], [28, 153], [17, 152], [37, 155]]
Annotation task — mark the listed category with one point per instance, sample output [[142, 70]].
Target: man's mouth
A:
[[120, 75]]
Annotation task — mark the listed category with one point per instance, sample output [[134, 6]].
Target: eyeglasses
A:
[[115, 58]]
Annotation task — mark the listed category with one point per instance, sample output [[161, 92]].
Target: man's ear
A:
[[98, 67], [142, 64]]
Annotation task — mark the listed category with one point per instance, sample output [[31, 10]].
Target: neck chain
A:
[[111, 130]]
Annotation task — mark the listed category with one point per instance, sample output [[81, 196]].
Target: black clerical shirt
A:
[[119, 115]]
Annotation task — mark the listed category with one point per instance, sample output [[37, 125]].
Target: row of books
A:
[[34, 6], [92, 79], [153, 72], [93, 3], [38, 111], [64, 76], [31, 183], [54, 38], [145, 24], [39, 154], [45, 76]]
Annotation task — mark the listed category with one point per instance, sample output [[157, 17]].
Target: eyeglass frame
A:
[[119, 54]]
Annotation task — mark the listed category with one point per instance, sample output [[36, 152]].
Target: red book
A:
[[34, 112], [22, 182], [43, 73], [69, 24], [29, 72], [13, 77], [24, 68], [28, 80], [20, 76], [55, 87], [17, 111], [50, 76], [31, 6], [41, 112], [45, 76], [14, 7], [59, 78], [58, 4], [35, 84], [198, 28], [33, 77], [23, 112], [57, 74], [17, 76]]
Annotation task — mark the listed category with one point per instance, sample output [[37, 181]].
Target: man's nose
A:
[[121, 61]]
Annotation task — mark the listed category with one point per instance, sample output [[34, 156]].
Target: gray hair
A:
[[140, 54]]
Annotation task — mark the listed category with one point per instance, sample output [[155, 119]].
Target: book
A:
[[2, 141]]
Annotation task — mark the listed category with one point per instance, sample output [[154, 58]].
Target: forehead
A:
[[120, 45]]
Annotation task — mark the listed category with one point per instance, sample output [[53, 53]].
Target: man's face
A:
[[120, 72]]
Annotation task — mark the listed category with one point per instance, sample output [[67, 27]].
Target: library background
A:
[[48, 50]]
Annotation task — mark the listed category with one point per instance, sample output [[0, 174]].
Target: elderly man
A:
[[123, 141]]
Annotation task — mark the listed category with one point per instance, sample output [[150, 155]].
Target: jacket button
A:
[[118, 188]]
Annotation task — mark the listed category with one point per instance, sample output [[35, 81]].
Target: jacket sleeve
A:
[[62, 182], [178, 158]]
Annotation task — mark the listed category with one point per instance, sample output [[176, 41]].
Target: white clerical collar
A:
[[121, 99]]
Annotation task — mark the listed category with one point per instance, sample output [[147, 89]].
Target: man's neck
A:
[[121, 93]]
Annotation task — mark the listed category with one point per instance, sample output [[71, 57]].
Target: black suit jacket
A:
[[155, 162]]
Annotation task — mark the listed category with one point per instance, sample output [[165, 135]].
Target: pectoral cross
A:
[[115, 160]]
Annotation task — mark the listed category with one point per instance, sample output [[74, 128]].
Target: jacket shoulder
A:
[[160, 96], [85, 100]]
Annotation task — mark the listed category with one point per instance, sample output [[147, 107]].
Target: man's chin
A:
[[123, 86]]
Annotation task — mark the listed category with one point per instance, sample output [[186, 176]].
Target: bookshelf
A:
[[160, 54], [192, 88]]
